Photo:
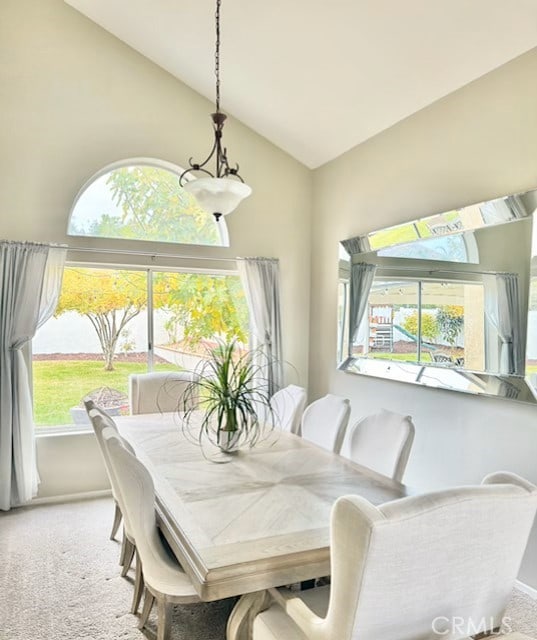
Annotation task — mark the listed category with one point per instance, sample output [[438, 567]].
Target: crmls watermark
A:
[[459, 626]]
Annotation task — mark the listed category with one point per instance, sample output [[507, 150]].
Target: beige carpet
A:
[[59, 580]]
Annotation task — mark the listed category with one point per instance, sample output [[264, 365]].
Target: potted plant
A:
[[227, 404]]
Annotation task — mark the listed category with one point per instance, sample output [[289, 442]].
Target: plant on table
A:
[[228, 402]]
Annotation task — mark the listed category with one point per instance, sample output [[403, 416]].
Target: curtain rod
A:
[[431, 271], [151, 254]]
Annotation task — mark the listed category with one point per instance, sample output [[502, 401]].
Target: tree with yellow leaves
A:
[[204, 306], [110, 299]]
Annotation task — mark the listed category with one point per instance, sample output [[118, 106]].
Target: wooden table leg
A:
[[239, 624]]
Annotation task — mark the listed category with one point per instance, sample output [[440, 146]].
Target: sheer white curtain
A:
[[362, 276], [502, 309], [30, 282], [261, 281]]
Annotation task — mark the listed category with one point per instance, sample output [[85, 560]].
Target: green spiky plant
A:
[[229, 390]]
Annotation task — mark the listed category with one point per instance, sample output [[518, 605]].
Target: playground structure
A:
[[382, 327]]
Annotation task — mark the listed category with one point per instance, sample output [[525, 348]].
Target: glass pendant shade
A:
[[218, 196]]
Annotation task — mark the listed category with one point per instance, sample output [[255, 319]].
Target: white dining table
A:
[[260, 521]]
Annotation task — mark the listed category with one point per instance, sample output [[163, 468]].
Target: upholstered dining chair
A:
[[288, 406], [129, 548], [325, 421], [164, 579], [158, 391], [382, 441], [105, 427], [91, 406], [439, 565]]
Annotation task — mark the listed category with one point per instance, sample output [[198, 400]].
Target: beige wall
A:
[[475, 144], [73, 99]]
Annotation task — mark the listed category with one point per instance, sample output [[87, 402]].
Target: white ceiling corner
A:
[[317, 77]]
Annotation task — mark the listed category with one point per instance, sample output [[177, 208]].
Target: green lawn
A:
[[408, 357], [61, 384]]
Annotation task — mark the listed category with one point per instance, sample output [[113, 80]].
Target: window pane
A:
[[96, 339], [143, 202], [453, 327], [390, 329], [194, 310]]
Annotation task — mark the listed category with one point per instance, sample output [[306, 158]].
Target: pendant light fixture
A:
[[221, 191]]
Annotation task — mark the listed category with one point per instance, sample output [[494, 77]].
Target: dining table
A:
[[257, 518]]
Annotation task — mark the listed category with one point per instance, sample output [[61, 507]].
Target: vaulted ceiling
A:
[[317, 77]]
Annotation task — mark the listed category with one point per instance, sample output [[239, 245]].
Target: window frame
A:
[[141, 162]]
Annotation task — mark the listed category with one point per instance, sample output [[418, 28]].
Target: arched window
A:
[[141, 199]]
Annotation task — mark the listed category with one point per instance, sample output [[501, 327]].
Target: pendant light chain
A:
[[217, 56], [216, 192]]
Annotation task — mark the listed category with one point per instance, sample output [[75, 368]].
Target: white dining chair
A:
[[325, 422], [163, 577], [129, 549], [159, 391], [105, 428], [382, 441], [288, 406], [439, 565], [91, 406]]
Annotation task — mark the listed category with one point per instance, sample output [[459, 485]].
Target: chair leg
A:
[[138, 585], [117, 521], [149, 599], [129, 555], [123, 549], [164, 619]]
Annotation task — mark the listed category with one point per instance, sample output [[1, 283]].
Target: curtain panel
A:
[[30, 283], [261, 281], [502, 309], [362, 276]]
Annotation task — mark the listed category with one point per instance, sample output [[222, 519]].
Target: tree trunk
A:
[[109, 330], [109, 361]]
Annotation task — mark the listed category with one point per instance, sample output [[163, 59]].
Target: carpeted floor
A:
[[59, 580]]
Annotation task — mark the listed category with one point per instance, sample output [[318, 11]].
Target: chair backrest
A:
[[138, 496], [382, 442], [107, 435], [105, 429], [443, 562], [159, 391], [288, 406], [92, 410], [325, 421], [105, 421]]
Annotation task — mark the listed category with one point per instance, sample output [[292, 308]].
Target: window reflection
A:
[[423, 321]]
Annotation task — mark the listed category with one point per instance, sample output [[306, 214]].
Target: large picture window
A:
[[110, 323]]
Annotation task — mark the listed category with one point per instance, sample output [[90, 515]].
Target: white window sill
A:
[[62, 430]]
